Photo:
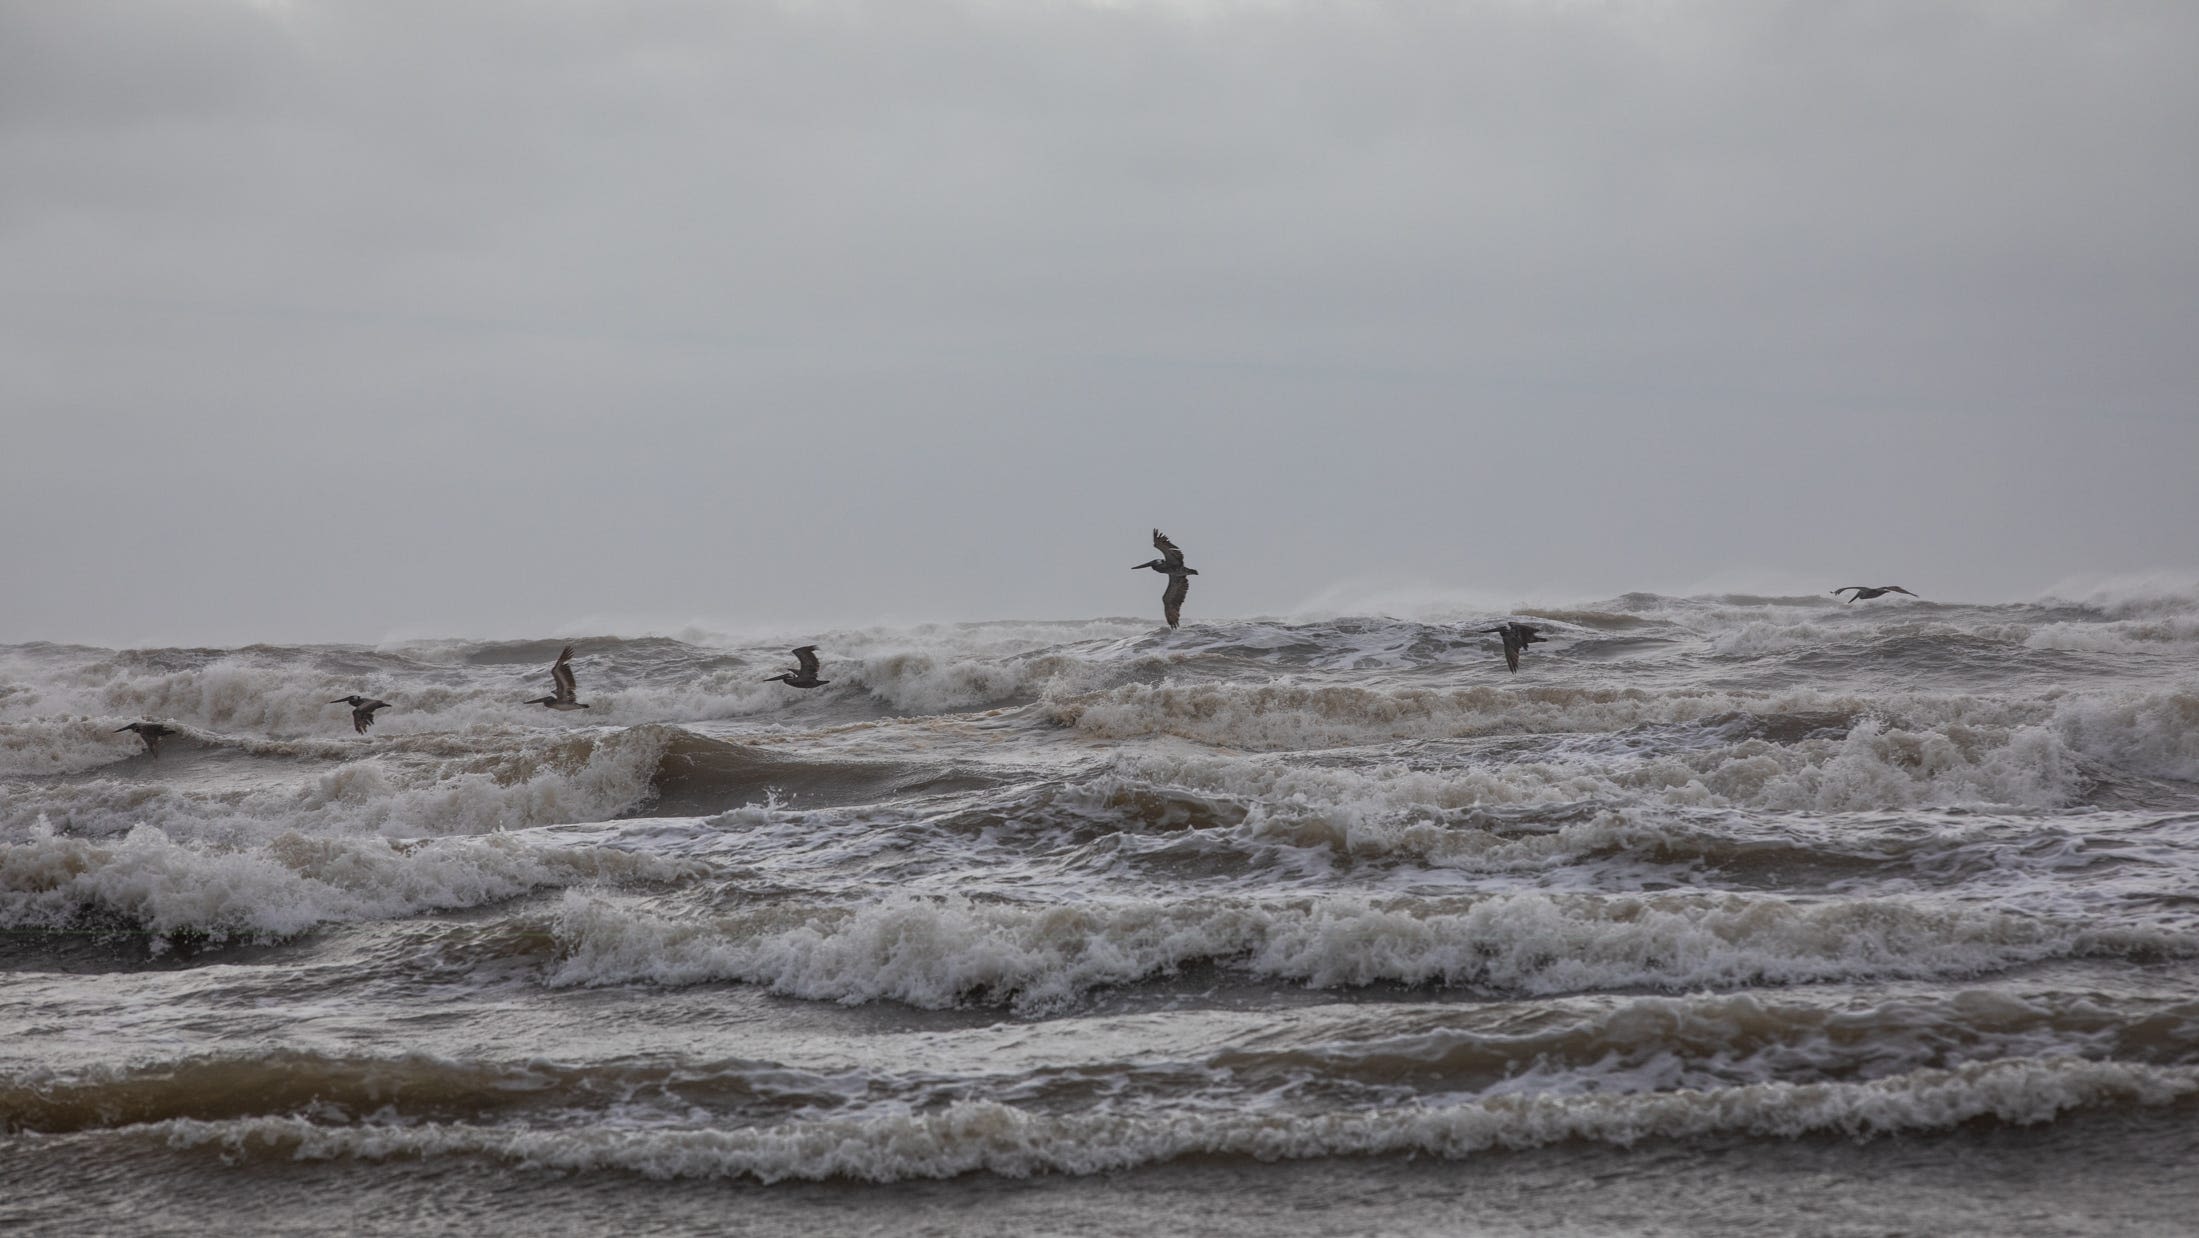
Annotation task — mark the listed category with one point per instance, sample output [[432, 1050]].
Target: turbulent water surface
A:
[[1727, 914]]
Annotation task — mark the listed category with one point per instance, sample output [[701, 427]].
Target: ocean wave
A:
[[985, 1136], [147, 882], [945, 952], [2130, 595], [2152, 733], [1839, 756], [404, 791], [1349, 1056], [419, 1085]]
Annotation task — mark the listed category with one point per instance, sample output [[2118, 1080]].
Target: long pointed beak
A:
[[342, 700], [120, 729]]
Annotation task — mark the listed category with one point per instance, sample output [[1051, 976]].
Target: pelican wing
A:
[[1169, 553], [807, 656], [1511, 649], [362, 718], [1898, 589], [562, 672], [1172, 598]]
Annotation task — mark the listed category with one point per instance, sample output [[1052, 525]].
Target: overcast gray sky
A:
[[335, 319]]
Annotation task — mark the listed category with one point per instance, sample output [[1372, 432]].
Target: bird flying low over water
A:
[[1865, 592], [1170, 564], [151, 732], [562, 673], [1517, 636], [806, 675], [362, 711]]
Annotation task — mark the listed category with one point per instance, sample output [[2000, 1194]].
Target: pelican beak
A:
[[120, 729], [342, 700]]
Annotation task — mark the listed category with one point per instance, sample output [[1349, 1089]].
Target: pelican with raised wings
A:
[[561, 673], [1170, 564], [806, 675]]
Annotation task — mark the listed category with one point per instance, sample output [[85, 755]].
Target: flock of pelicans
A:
[[565, 692]]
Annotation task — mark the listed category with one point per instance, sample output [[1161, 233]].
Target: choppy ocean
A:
[[1724, 915]]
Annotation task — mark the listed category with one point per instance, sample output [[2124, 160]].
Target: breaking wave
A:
[[147, 882], [998, 1138], [944, 952]]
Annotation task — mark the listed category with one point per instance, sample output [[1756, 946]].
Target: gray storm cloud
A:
[[327, 319]]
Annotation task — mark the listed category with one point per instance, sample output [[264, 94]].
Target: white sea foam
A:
[[538, 780], [293, 883], [1927, 751], [2133, 594], [941, 952], [984, 1136], [2154, 733]]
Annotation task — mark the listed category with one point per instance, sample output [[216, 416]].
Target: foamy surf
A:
[[942, 952], [1072, 898], [995, 1138]]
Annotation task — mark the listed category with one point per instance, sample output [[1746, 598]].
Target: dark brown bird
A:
[[151, 732], [561, 673], [362, 711], [1517, 636], [1865, 592], [1170, 564], [806, 675]]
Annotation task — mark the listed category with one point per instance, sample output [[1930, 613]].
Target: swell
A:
[[1791, 751], [148, 883], [207, 785], [943, 952], [698, 776], [1276, 824], [1640, 1045], [1003, 1139], [242, 791]]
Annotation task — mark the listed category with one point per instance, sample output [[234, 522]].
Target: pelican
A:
[[806, 675], [362, 711], [1170, 564], [151, 732], [1517, 636], [1864, 593], [566, 689]]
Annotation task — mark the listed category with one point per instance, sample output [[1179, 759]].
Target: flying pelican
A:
[[806, 677], [1517, 636], [151, 732], [362, 711], [1864, 593], [563, 674], [1170, 564]]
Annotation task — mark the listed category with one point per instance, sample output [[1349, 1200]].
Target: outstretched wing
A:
[[1169, 553], [807, 656], [362, 718], [562, 672], [1172, 599], [1511, 649], [1897, 589]]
